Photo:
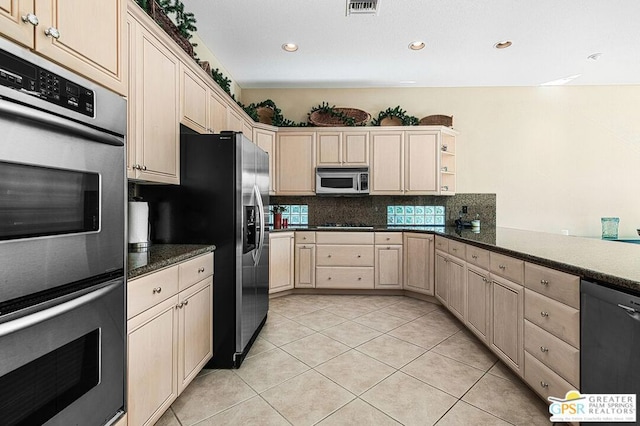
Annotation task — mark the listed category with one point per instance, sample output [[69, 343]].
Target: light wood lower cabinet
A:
[[478, 314], [169, 338], [281, 261], [419, 263], [388, 267], [441, 277], [305, 270], [507, 325]]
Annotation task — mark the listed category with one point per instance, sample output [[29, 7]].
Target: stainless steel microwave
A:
[[342, 180]]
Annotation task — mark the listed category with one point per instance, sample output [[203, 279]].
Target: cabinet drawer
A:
[[477, 256], [556, 354], [442, 243], [347, 255], [543, 380], [388, 238], [508, 267], [558, 319], [557, 285], [457, 249], [195, 270], [344, 237], [145, 292], [305, 237], [342, 277]]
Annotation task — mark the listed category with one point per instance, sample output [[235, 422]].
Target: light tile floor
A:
[[360, 360]]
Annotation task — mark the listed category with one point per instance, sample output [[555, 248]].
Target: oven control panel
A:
[[33, 80]]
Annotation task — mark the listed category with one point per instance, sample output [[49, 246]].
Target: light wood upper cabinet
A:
[[234, 122], [153, 108], [421, 174], [295, 163], [386, 175], [348, 148], [281, 261], [193, 101], [217, 113], [419, 263], [507, 325], [84, 36], [247, 130], [266, 139]]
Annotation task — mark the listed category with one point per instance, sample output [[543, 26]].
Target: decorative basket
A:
[[391, 121], [437, 120], [206, 66], [325, 119], [158, 15], [265, 115]]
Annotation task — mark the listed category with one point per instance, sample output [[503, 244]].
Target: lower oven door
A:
[[65, 365]]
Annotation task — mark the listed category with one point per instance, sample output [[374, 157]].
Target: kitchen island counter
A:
[[160, 256]]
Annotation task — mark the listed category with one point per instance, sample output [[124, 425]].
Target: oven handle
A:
[[47, 314], [11, 108]]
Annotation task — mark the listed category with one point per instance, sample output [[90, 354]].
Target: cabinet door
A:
[[388, 267], [281, 261], [152, 352], [329, 148], [421, 163], [507, 300], [91, 38], [305, 269], [247, 130], [132, 129], [457, 287], [266, 140], [234, 122], [478, 302], [11, 25], [195, 331], [441, 277], [156, 102], [295, 160], [356, 148], [193, 101], [217, 113], [387, 163], [418, 263]]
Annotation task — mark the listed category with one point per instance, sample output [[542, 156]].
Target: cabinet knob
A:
[[157, 290], [544, 314], [388, 248], [543, 384], [503, 267], [52, 32], [359, 256], [144, 167], [304, 238], [186, 302], [388, 238], [543, 349], [180, 305], [328, 255], [359, 278], [30, 18], [474, 256], [200, 270], [544, 282], [329, 278], [454, 249]]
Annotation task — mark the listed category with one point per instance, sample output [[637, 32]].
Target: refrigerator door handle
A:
[[261, 215]]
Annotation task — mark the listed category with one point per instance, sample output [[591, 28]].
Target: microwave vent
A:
[[361, 7]]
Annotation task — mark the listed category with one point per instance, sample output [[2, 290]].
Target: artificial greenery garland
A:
[[184, 21], [407, 120]]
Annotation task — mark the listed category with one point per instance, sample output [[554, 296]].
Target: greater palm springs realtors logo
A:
[[577, 407]]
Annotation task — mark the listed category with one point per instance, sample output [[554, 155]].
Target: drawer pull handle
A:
[[543, 349], [157, 290], [359, 278], [304, 238], [543, 384], [454, 249], [200, 270], [359, 256], [544, 314], [544, 282], [473, 256], [388, 238], [329, 278]]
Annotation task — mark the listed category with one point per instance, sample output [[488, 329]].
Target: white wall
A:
[[557, 157]]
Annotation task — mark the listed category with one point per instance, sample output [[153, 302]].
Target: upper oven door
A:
[[337, 180], [61, 202]]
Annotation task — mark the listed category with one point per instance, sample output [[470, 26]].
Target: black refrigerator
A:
[[222, 200]]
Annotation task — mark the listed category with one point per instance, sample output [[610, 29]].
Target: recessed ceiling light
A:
[[594, 56], [290, 47], [561, 81], [503, 44], [407, 82], [417, 45]]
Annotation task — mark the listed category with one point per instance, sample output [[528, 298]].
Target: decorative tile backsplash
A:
[[296, 214], [416, 215]]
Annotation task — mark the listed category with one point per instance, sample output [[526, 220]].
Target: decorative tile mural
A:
[[296, 214], [416, 215]]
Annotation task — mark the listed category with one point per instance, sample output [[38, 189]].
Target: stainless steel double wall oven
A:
[[62, 242]]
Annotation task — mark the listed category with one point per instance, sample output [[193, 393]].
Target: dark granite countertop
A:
[[162, 255], [613, 262]]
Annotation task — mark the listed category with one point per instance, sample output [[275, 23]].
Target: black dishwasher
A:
[[610, 340]]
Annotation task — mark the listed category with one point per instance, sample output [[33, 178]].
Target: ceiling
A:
[[551, 40]]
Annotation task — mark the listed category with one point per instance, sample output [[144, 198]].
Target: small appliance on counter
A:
[[138, 219]]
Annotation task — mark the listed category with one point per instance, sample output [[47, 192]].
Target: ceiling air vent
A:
[[361, 7]]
